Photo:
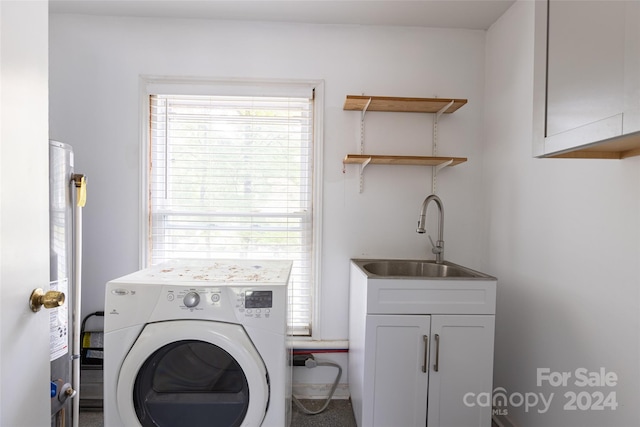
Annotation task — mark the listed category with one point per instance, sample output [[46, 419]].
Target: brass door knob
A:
[[50, 299]]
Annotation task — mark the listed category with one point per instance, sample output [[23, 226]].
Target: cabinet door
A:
[[631, 122], [586, 78], [461, 364], [396, 352], [585, 65]]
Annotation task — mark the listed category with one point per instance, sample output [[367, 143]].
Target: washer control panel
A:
[[193, 299], [246, 302], [255, 303]]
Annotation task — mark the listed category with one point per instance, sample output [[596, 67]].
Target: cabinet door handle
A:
[[435, 367], [425, 338]]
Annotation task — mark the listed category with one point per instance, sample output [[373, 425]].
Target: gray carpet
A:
[[338, 414]]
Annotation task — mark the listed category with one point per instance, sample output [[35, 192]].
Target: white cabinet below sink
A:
[[417, 369], [465, 359]]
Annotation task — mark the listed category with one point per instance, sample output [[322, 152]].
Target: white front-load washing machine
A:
[[198, 343]]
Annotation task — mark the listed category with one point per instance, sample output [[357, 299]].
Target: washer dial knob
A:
[[191, 299]]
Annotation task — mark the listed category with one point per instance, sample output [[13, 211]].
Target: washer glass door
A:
[[191, 383], [192, 373]]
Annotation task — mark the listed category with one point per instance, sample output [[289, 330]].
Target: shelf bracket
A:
[[366, 162], [435, 127], [362, 166], [443, 109], [364, 110], [442, 165], [434, 150]]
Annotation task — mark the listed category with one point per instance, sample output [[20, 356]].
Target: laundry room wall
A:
[[95, 65], [565, 245]]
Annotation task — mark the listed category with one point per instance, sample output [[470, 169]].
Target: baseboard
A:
[[320, 391]]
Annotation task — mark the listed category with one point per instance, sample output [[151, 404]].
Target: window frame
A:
[[150, 85]]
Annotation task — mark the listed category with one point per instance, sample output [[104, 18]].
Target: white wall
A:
[[564, 243], [95, 65]]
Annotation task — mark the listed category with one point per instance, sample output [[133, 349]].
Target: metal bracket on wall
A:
[[434, 150], [363, 165]]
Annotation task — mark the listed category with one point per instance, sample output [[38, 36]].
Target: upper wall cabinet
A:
[[587, 79]]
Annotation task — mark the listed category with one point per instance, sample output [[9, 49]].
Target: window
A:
[[231, 176]]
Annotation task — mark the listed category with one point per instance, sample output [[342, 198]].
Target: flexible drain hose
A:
[[311, 363]]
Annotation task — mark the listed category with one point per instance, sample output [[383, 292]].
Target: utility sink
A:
[[418, 268], [406, 286]]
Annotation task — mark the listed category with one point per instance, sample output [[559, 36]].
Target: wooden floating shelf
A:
[[399, 104], [401, 160]]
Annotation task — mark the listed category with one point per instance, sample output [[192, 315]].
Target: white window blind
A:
[[231, 177]]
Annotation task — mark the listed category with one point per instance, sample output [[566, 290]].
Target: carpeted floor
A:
[[338, 414]]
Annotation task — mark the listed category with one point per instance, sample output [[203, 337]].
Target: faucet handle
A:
[[436, 249]]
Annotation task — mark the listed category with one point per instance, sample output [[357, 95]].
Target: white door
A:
[[24, 213], [461, 363]]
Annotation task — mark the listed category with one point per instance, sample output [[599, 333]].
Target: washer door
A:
[[193, 373]]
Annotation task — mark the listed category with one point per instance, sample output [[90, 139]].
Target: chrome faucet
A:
[[438, 247]]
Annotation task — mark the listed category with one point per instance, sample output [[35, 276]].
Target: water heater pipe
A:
[[80, 185]]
